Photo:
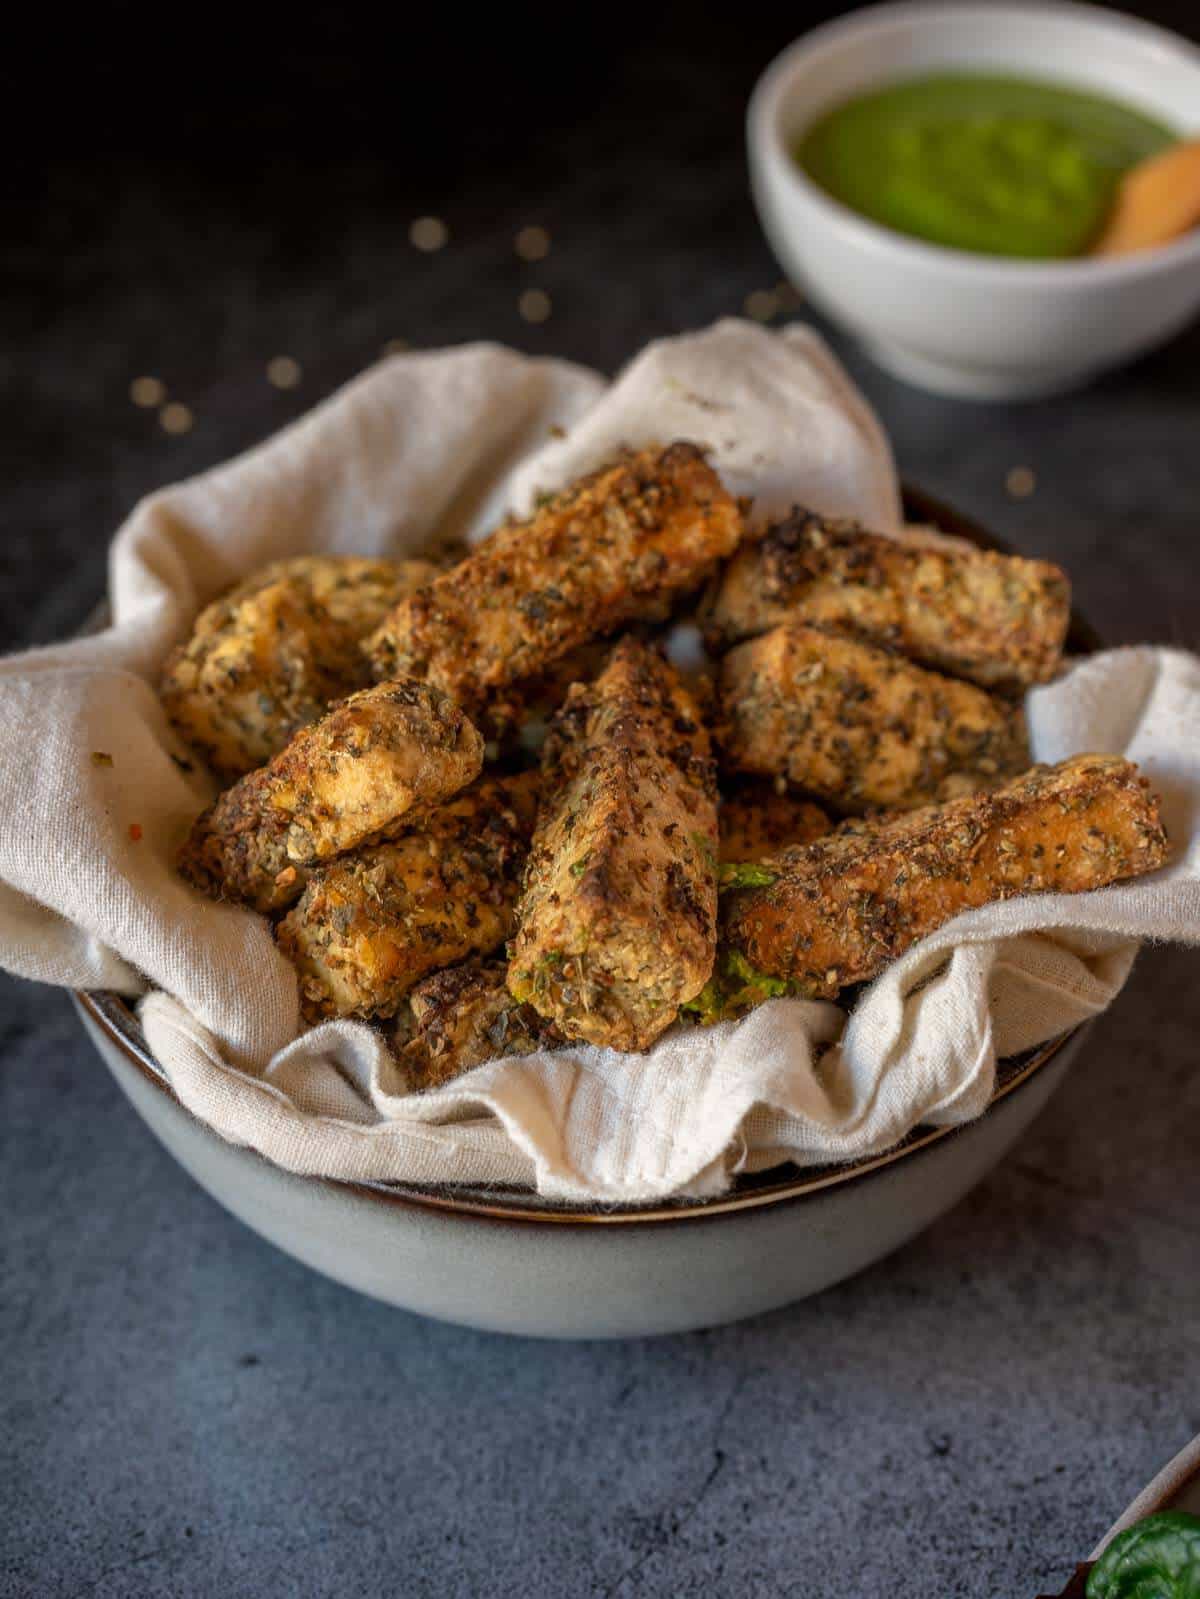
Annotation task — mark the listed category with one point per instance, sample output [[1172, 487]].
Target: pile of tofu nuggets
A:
[[847, 771]]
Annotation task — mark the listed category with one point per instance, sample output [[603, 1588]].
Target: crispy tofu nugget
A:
[[272, 655], [858, 726], [371, 925], [614, 547], [996, 619], [838, 910], [363, 766], [461, 1018], [617, 923], [759, 820]]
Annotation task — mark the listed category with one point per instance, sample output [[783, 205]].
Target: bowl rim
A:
[[891, 248], [112, 1016], [1160, 1493]]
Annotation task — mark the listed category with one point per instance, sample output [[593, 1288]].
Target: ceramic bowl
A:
[[946, 320], [505, 1261], [1176, 1487]]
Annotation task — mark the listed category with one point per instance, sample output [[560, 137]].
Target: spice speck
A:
[[532, 244], [149, 393], [428, 234], [534, 305], [175, 418], [761, 304], [283, 372]]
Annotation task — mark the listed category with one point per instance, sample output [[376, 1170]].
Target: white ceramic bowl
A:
[[953, 322]]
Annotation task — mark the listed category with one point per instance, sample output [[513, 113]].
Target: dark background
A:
[[195, 191], [183, 1411]]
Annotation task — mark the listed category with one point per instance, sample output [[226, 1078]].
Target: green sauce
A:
[[995, 165]]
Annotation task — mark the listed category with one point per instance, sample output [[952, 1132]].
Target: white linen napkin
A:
[[94, 805]]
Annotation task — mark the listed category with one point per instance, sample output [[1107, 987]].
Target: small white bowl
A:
[[957, 323]]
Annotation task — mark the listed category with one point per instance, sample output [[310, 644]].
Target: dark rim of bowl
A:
[[112, 1015]]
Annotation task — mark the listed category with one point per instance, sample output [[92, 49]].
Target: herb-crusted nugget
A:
[[357, 771], [760, 820], [612, 548], [617, 925], [270, 656], [372, 924], [461, 1018], [838, 910], [858, 726], [996, 619]]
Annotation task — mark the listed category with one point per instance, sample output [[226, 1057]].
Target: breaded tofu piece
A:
[[858, 726], [271, 656], [614, 547], [760, 820], [838, 910], [462, 1017], [339, 782], [372, 924], [617, 924], [998, 620]]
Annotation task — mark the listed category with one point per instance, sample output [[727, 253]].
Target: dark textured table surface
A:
[[184, 1411]]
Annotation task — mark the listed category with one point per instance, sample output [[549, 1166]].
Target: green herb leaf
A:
[[745, 874], [1157, 1559], [741, 970], [708, 1006], [734, 989], [704, 844]]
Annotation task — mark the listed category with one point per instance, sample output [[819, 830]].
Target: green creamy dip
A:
[[996, 165]]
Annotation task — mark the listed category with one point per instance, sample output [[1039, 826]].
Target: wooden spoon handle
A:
[[1157, 201]]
